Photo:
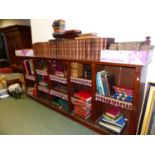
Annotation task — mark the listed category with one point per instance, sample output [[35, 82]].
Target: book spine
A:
[[31, 66], [100, 84]]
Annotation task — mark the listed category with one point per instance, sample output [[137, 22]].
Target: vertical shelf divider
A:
[[136, 90], [68, 63]]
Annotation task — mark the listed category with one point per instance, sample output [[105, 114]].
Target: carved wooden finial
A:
[[148, 40]]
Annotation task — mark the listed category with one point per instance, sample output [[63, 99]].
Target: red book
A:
[[113, 112], [83, 95]]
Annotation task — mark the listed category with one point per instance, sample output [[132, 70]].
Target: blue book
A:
[[100, 82], [119, 123]]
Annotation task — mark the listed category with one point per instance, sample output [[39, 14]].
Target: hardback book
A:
[[83, 95], [111, 127], [99, 82], [123, 89], [110, 118], [113, 112], [120, 121], [109, 82]]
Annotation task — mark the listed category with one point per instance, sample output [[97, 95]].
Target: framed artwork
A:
[[147, 119]]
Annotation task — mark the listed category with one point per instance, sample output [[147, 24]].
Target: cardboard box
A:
[[24, 52]]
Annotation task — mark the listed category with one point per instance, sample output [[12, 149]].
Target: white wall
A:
[[10, 22], [125, 20]]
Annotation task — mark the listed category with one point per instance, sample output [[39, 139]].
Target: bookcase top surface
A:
[[83, 61]]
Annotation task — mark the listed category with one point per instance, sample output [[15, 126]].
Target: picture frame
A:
[[147, 118]]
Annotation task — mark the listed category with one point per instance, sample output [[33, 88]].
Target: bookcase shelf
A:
[[82, 81], [127, 76], [114, 102], [43, 89], [59, 94], [30, 77], [41, 72], [58, 79]]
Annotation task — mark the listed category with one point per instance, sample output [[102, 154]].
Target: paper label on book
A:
[[124, 57]]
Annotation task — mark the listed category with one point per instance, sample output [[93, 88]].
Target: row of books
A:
[[113, 120], [104, 83], [41, 65], [29, 67], [58, 68], [124, 94], [82, 103], [136, 45], [84, 49], [114, 102]]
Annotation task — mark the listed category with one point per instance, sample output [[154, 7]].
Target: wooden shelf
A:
[[84, 61], [114, 102], [43, 89], [59, 94], [41, 72], [82, 81], [58, 79], [30, 77]]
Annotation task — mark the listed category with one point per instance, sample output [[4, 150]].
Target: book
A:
[[120, 121], [83, 95], [111, 127], [99, 82], [112, 119], [113, 112], [109, 82]]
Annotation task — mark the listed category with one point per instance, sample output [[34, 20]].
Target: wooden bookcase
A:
[[126, 76]]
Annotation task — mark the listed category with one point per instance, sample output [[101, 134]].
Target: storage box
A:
[[125, 57], [24, 52]]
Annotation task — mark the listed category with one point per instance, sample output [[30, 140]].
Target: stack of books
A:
[[58, 26], [3, 93], [104, 83], [63, 103], [113, 120], [122, 93], [42, 80], [60, 103], [82, 103]]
